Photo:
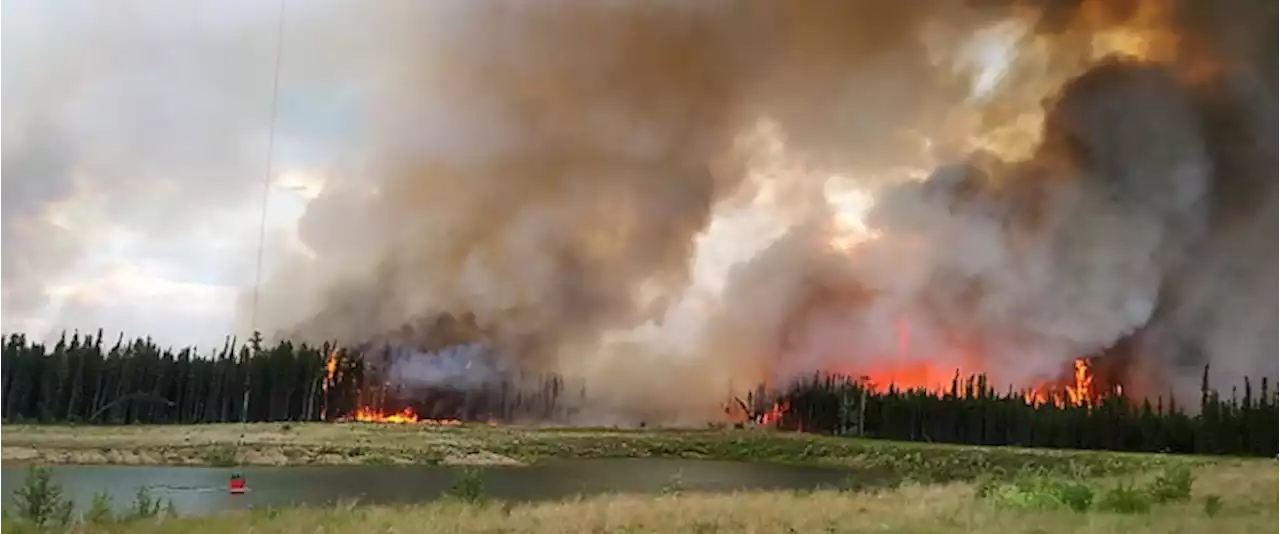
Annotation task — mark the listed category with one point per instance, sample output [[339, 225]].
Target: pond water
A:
[[203, 490]]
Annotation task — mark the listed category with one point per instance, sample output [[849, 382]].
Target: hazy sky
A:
[[135, 143]]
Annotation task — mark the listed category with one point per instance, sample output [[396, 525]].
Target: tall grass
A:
[[1246, 498]]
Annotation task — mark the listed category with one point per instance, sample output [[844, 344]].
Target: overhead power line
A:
[[266, 179]]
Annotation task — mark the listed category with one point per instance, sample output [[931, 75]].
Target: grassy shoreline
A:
[[942, 488], [1246, 502], [386, 444]]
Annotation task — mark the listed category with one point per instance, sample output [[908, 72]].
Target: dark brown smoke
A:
[[593, 142], [551, 170], [1125, 232]]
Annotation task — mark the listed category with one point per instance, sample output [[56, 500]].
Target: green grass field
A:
[[936, 488], [386, 444]]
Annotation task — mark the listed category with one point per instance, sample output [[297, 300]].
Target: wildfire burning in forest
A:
[[364, 413], [1079, 388], [370, 413], [1141, 38], [1066, 165]]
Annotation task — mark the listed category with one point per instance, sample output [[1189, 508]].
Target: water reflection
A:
[[203, 490]]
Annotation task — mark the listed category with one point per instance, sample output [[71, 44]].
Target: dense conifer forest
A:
[[89, 380]]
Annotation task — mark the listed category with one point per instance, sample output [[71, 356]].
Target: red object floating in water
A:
[[236, 485]]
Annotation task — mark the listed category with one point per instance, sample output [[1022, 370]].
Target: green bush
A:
[[468, 486], [40, 502], [984, 486], [1172, 485], [1038, 492], [1076, 495], [1124, 498]]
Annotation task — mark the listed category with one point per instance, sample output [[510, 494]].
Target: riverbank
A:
[[390, 444], [1222, 499]]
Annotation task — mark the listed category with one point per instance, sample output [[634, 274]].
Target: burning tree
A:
[[80, 379], [447, 372]]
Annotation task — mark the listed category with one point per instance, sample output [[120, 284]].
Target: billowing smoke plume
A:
[[1128, 221], [1015, 268], [670, 199], [551, 177], [559, 177]]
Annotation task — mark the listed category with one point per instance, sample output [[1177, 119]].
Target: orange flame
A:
[[405, 416], [331, 368], [910, 376], [1081, 391], [909, 372], [367, 415], [774, 415]]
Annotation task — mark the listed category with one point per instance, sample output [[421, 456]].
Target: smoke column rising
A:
[[589, 146], [676, 201], [592, 148]]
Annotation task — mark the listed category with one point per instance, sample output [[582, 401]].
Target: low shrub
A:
[[1039, 492], [1125, 498], [1173, 484], [468, 487], [40, 502]]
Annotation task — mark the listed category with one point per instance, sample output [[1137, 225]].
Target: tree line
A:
[[80, 379], [973, 413]]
